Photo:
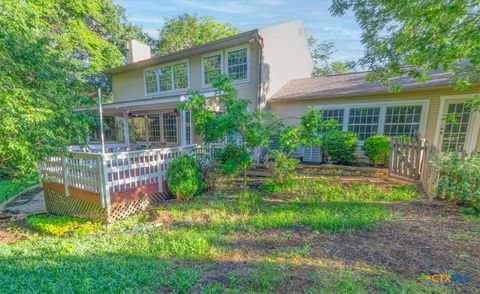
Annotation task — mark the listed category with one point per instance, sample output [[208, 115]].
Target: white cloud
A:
[[147, 20]]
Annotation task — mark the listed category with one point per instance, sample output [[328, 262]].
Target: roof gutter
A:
[[319, 97]]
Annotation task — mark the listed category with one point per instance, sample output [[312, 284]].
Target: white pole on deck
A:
[[100, 114]]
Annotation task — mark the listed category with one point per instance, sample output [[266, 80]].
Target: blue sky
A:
[[246, 15]]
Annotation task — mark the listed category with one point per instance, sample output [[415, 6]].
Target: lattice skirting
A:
[[58, 203]]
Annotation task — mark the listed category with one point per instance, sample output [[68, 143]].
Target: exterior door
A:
[[457, 127]]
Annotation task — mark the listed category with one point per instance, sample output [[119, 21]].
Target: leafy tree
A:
[[185, 31], [414, 37], [51, 54], [244, 130], [322, 52]]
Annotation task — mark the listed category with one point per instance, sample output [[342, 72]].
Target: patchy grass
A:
[[61, 225], [9, 188], [287, 241]]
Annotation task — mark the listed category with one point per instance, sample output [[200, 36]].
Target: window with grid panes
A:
[[402, 120], [112, 129], [154, 128], [364, 121], [170, 127], [455, 130], [180, 75], [237, 66], [139, 129], [336, 114], [165, 78], [151, 85], [212, 66]]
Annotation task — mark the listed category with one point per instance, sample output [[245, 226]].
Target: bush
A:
[[459, 178], [184, 177], [340, 146], [283, 168], [232, 160], [378, 150]]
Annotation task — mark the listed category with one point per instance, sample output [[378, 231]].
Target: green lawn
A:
[[232, 242], [9, 188]]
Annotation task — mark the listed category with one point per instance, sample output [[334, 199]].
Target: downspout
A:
[[260, 63]]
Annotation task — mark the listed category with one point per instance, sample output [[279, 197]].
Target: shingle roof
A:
[[353, 84], [200, 49]]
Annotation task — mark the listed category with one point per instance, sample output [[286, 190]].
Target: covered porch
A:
[[130, 126]]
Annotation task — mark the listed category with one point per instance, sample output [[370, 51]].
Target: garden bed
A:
[[322, 234]]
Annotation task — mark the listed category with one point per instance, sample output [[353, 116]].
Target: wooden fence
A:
[[410, 159], [407, 157]]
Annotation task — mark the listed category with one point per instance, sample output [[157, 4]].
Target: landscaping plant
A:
[[243, 130], [378, 150], [184, 177], [459, 178], [340, 146]]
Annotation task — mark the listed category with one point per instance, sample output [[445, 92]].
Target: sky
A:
[[247, 15]]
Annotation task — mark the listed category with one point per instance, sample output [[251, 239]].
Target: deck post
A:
[[183, 128], [126, 131], [65, 176], [104, 181]]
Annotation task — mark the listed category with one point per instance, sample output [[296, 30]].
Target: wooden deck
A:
[[115, 178]]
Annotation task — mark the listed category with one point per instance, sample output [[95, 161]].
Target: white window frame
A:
[[222, 65], [248, 62], [425, 103], [472, 133], [173, 90]]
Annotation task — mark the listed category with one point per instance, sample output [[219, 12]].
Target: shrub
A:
[[184, 177], [340, 146], [459, 178], [283, 168], [378, 150], [232, 160]]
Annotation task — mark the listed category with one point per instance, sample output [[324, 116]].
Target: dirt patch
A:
[[427, 236], [9, 236]]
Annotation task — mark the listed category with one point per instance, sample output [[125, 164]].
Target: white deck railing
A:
[[116, 171]]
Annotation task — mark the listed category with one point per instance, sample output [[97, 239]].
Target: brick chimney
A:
[[137, 51]]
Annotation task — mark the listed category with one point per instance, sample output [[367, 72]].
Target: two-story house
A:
[[272, 67], [147, 89]]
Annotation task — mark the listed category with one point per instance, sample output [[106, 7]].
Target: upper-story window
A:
[[212, 66], [151, 85], [167, 78], [180, 75], [237, 64]]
